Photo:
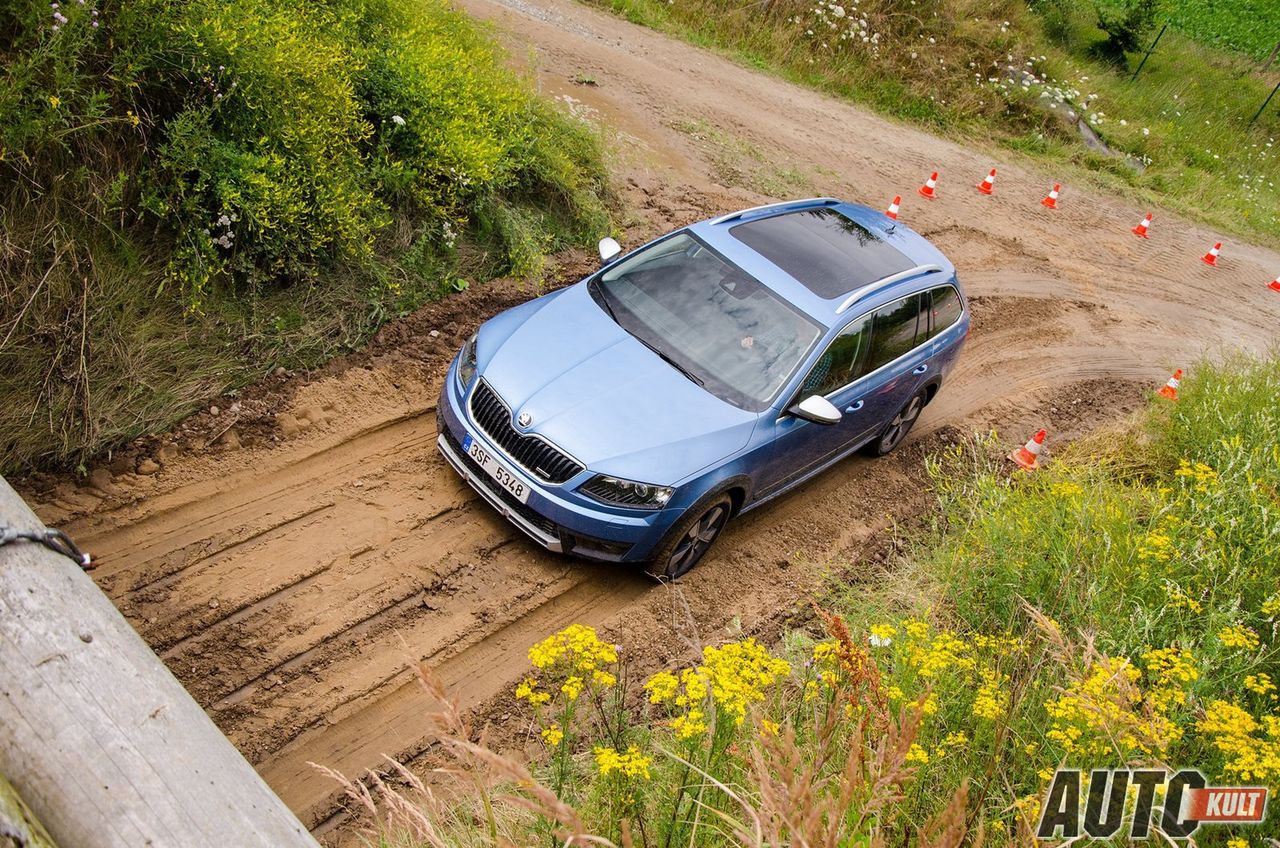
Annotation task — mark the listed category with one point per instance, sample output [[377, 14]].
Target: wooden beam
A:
[[97, 736], [17, 823]]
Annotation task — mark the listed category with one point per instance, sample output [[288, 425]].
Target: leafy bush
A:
[[226, 150], [1126, 23]]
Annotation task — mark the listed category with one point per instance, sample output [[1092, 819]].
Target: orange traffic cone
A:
[[1170, 389], [927, 190], [1027, 457], [1211, 258], [1274, 285], [1051, 199], [1141, 229], [892, 211], [988, 183]]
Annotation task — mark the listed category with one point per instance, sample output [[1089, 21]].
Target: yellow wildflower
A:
[[527, 690], [134, 120], [824, 652], [54, 101], [990, 702], [944, 652], [1247, 755], [916, 628], [1239, 636], [1179, 599], [916, 754], [661, 687], [1271, 607], [1261, 683], [689, 725], [572, 688], [882, 635], [769, 728], [629, 763], [552, 735], [603, 678], [738, 674], [1106, 712], [578, 645], [927, 706]]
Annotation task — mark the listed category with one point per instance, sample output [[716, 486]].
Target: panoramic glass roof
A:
[[831, 254]]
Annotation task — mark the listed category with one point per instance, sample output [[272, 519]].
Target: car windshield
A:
[[708, 318]]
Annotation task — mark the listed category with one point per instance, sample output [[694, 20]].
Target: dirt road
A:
[[289, 583]]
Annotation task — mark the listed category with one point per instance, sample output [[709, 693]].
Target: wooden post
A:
[[17, 823], [99, 739]]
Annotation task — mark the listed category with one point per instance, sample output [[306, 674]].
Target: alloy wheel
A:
[[695, 542], [901, 424]]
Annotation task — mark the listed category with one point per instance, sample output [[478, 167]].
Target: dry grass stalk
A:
[[416, 812]]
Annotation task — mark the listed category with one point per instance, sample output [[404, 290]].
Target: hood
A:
[[608, 400]]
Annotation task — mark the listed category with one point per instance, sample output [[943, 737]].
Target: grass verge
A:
[[1024, 76]]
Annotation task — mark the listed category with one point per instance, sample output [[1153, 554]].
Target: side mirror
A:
[[609, 249], [817, 409]]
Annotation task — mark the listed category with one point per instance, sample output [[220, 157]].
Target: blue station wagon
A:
[[628, 417]]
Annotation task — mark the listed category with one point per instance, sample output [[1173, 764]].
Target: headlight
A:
[[613, 490], [467, 362]]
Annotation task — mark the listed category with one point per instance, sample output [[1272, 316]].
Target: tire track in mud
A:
[[295, 615]]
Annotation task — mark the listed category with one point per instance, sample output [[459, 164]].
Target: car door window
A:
[[842, 362], [894, 331], [945, 309]]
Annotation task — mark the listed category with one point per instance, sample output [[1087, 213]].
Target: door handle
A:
[[920, 369], [854, 407]]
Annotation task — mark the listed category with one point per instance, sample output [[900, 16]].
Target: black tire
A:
[[691, 537], [898, 427]]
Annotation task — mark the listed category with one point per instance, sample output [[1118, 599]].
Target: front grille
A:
[[531, 452], [524, 510]]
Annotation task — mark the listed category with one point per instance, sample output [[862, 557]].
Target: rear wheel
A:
[[692, 535], [898, 427]]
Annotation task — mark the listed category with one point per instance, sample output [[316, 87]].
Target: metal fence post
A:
[[1263, 107], [1150, 50]]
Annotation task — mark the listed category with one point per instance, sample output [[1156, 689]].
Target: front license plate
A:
[[495, 469]]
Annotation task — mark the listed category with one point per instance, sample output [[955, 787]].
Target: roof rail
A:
[[887, 281], [778, 207]]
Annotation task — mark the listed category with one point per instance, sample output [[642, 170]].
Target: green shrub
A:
[[1126, 23], [234, 150]]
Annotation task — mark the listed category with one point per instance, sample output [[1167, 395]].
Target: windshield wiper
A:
[[667, 359], [603, 300]]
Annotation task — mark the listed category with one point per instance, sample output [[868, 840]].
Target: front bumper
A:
[[552, 517]]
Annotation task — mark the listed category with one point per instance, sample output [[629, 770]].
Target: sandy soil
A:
[[292, 554]]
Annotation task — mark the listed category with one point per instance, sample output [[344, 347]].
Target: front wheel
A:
[[693, 534], [898, 427]]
